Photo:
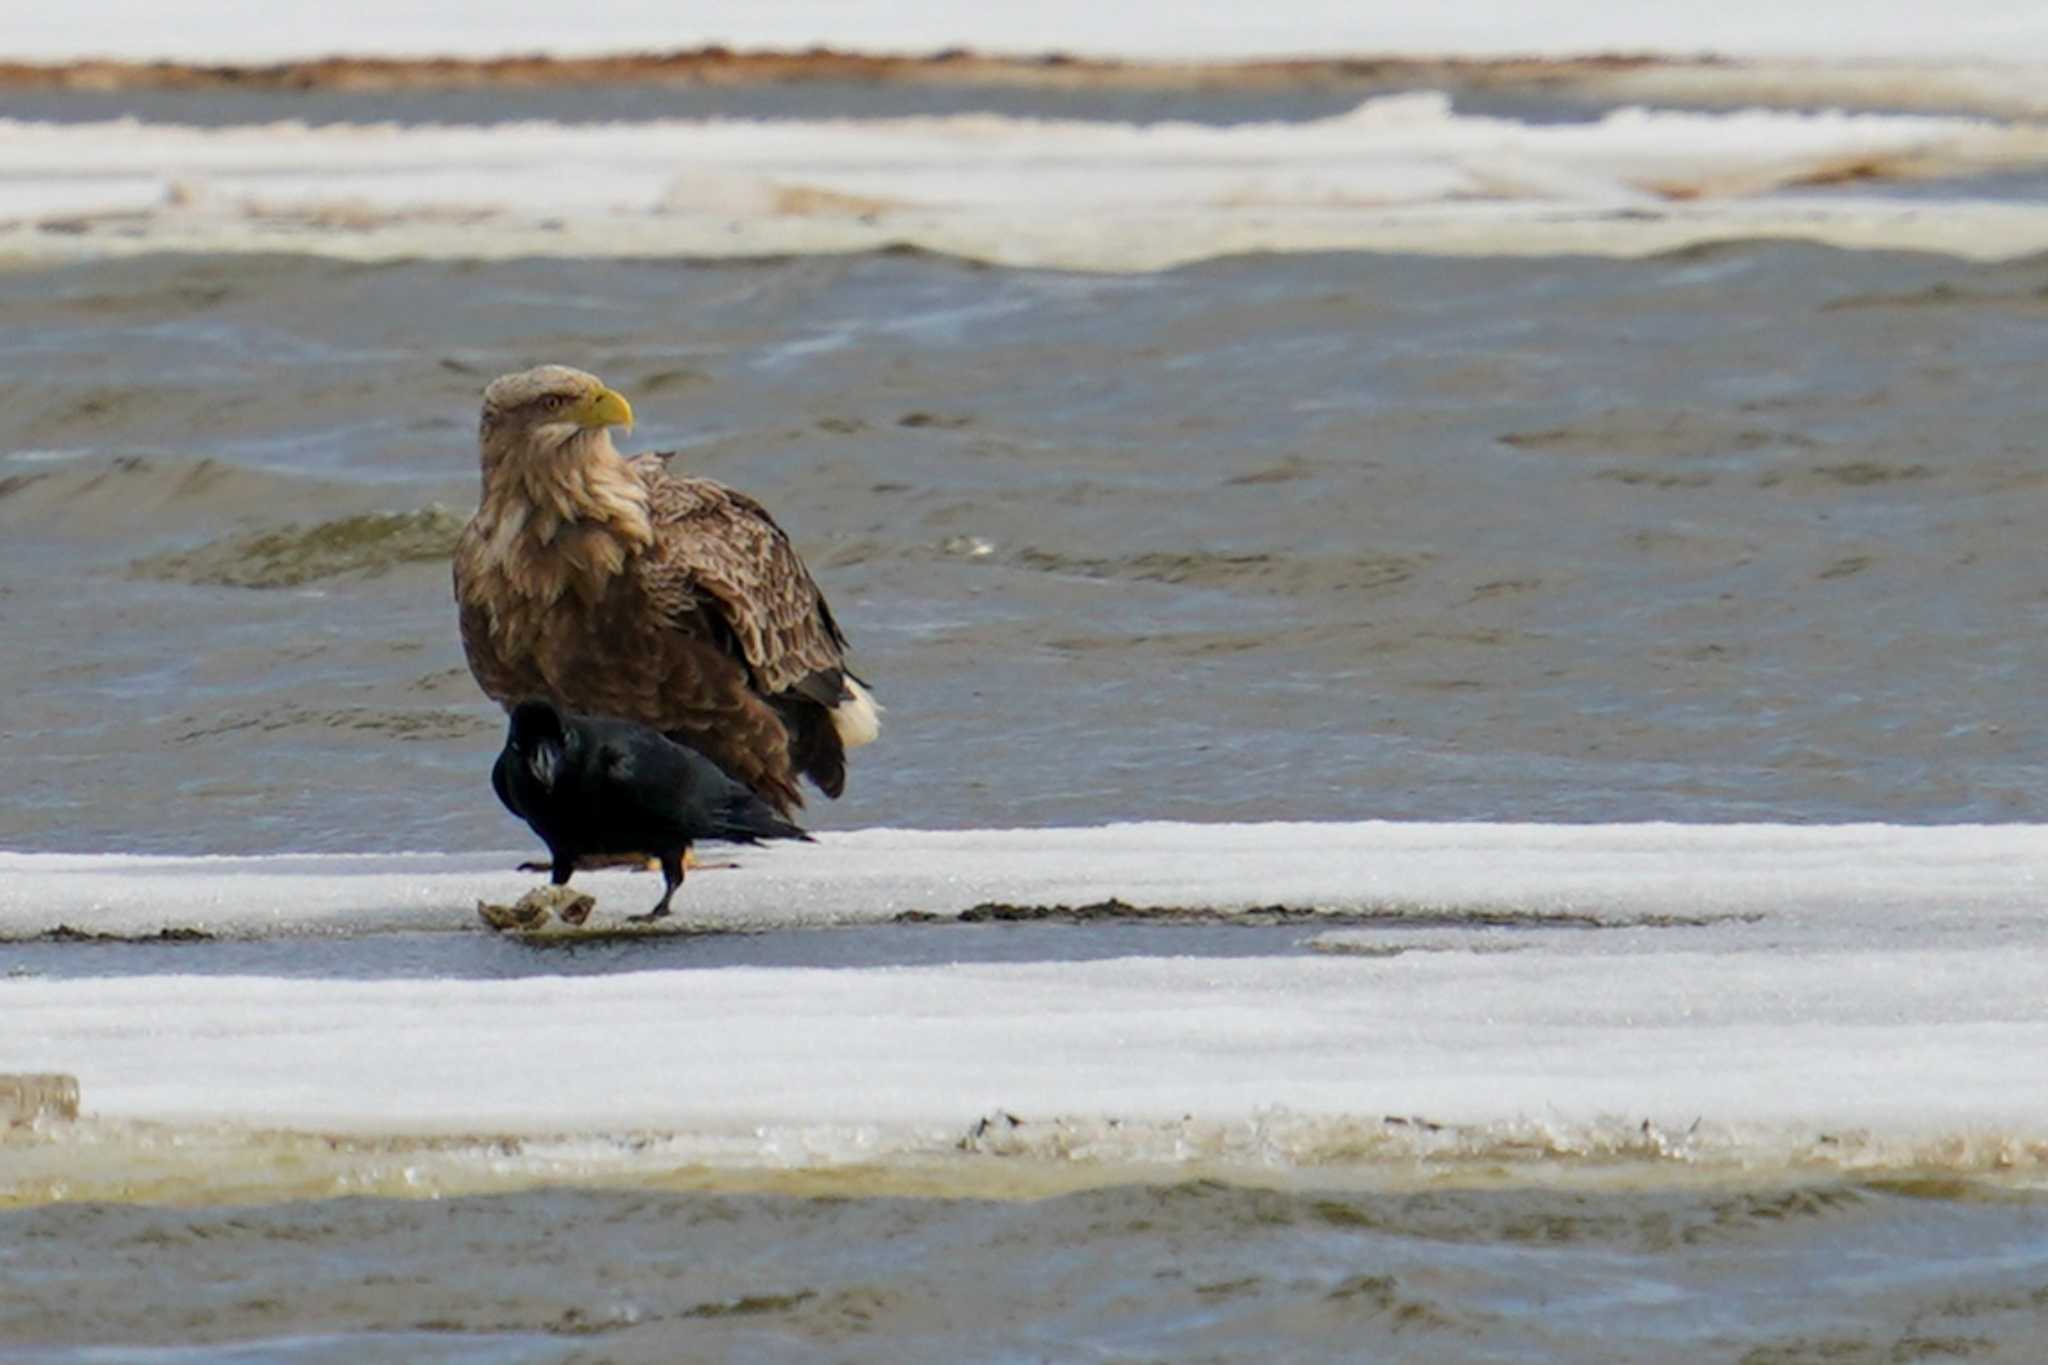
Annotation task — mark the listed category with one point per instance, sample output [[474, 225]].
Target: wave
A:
[[296, 554], [1402, 172], [145, 500]]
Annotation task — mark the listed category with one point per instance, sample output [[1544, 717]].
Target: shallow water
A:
[[1033, 935], [573, 105], [493, 957], [1195, 1271], [1744, 533]]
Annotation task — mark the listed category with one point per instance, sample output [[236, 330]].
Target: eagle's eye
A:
[[553, 402]]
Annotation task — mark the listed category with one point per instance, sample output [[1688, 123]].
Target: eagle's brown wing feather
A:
[[718, 554], [679, 676]]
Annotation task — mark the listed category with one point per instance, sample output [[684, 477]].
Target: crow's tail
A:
[[747, 819]]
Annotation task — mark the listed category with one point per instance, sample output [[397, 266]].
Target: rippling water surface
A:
[[1192, 1271], [1745, 533]]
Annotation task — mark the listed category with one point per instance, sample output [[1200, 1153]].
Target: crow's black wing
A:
[[689, 793], [660, 780]]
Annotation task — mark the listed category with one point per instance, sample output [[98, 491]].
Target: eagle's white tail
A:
[[858, 719]]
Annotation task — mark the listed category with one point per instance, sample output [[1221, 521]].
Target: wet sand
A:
[[719, 66], [738, 82]]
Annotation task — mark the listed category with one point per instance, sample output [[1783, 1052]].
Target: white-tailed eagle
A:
[[611, 587]]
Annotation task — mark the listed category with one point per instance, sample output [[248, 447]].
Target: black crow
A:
[[591, 786]]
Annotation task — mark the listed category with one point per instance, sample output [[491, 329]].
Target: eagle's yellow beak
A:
[[605, 408]]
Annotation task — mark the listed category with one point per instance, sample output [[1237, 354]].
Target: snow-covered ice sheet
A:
[[1405, 173], [256, 31], [1901, 1041], [1758, 994], [1839, 884]]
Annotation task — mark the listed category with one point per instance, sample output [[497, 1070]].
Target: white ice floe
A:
[[1398, 173], [259, 31], [1759, 994], [1836, 886]]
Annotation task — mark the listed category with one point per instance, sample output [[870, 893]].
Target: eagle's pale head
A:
[[549, 470], [546, 407]]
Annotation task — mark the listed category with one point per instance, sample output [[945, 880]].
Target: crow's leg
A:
[[672, 873]]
